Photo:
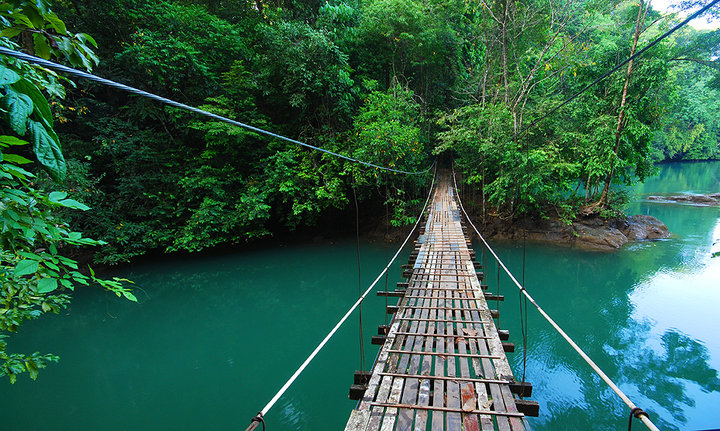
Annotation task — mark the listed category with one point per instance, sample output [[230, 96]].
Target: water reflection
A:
[[645, 314]]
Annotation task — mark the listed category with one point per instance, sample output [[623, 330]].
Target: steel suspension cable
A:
[[557, 327], [89, 76], [337, 326]]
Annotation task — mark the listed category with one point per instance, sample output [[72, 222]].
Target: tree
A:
[[35, 272]]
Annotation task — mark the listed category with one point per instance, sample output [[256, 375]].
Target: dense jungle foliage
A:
[[393, 82]]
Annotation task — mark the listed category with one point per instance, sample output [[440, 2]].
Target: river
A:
[[213, 338]]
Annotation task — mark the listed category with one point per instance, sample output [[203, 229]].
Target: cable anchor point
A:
[[255, 421], [636, 413]]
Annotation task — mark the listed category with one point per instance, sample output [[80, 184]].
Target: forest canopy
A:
[[392, 82]]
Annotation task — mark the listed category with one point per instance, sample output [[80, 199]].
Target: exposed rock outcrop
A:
[[591, 232], [711, 199]]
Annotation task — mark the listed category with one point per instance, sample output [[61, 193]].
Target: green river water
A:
[[213, 338]]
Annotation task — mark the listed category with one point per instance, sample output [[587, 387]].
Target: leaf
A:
[[22, 19], [47, 285], [46, 146], [19, 107], [14, 158], [25, 267], [72, 203], [42, 107], [130, 296], [34, 15], [87, 38], [57, 196], [468, 394], [18, 172], [16, 197], [6, 141], [8, 76], [42, 49], [11, 32], [29, 255], [55, 22]]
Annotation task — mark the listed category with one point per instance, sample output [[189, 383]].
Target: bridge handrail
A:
[[634, 408]]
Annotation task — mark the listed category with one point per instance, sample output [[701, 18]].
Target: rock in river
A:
[[591, 232], [699, 200]]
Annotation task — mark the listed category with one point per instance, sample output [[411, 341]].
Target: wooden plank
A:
[[453, 388], [452, 340], [409, 396], [391, 412], [445, 335], [467, 389], [452, 410], [457, 379], [438, 418], [486, 421], [377, 412], [358, 420], [442, 320], [421, 415]]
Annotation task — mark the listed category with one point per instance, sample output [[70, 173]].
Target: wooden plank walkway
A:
[[442, 365]]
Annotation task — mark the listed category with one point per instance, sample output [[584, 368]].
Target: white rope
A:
[[567, 338], [332, 332]]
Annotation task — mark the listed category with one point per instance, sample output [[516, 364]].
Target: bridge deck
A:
[[442, 366]]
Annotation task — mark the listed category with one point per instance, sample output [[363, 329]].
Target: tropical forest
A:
[[530, 102]]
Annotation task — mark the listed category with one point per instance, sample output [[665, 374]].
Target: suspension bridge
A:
[[442, 365]]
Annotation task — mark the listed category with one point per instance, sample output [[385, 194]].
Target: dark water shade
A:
[[214, 338]]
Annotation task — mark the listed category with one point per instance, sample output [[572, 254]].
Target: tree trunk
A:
[[504, 51], [621, 114]]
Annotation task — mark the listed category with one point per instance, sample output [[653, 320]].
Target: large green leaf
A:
[[46, 146], [14, 158], [19, 107], [42, 49], [8, 76], [87, 38], [47, 285], [57, 196], [34, 15], [26, 267], [55, 22], [11, 32], [41, 104], [6, 140], [72, 203]]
